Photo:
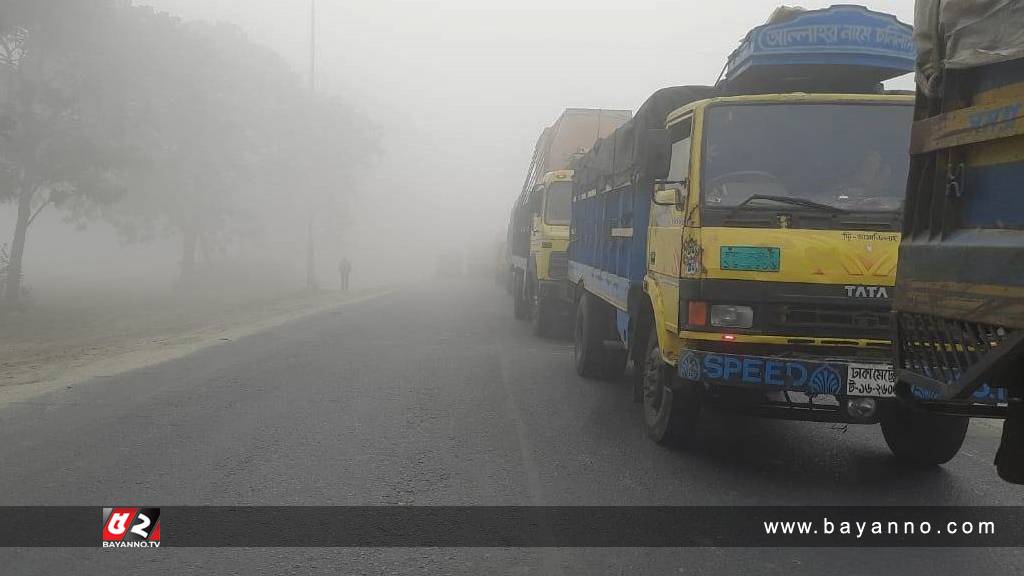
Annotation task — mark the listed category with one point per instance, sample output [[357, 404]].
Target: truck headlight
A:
[[726, 316]]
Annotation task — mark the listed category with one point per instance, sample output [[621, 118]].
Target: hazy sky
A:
[[460, 89]]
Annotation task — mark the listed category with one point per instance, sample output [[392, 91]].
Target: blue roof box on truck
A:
[[844, 48]]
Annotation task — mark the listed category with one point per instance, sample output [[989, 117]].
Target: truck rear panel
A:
[[960, 286]]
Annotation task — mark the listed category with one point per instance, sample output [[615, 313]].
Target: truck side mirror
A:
[[658, 151], [674, 196]]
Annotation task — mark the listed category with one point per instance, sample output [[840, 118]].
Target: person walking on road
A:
[[344, 270]]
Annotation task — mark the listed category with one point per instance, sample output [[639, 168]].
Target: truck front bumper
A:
[[817, 389]]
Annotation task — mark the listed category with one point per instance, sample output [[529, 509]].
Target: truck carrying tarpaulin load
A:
[[572, 135], [960, 287], [538, 228], [737, 244], [615, 162]]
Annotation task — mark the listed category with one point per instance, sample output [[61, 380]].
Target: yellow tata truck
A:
[[538, 229], [959, 296], [737, 244]]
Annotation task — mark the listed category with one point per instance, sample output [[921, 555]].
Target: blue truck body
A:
[[612, 205]]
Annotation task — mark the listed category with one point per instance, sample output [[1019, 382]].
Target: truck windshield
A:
[[558, 203], [829, 158]]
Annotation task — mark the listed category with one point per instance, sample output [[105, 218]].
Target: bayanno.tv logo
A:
[[131, 528]]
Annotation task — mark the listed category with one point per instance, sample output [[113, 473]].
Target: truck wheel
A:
[[670, 412], [588, 346], [614, 364], [923, 439], [519, 307], [1010, 457], [542, 312]]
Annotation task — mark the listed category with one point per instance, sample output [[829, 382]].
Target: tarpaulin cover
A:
[[958, 34], [574, 133], [615, 159]]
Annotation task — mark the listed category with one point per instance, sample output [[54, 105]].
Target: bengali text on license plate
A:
[[878, 380]]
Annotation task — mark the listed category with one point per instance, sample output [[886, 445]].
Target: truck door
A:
[[665, 237]]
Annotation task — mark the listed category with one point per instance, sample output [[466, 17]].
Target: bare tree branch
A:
[[38, 210]]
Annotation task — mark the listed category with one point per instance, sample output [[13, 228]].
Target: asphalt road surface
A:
[[434, 395]]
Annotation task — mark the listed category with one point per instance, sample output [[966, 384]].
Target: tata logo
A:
[[867, 292]]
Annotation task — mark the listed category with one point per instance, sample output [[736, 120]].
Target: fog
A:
[[455, 94]]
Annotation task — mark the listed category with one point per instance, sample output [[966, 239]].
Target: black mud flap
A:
[[1010, 457]]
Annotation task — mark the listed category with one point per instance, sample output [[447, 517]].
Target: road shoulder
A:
[[28, 380]]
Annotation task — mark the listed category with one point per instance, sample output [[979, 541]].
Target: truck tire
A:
[[923, 439], [670, 407], [519, 305], [587, 340], [614, 364], [542, 321], [1010, 457]]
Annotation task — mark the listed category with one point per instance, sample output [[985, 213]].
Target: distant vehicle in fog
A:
[[538, 230]]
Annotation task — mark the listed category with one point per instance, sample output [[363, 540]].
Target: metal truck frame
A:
[[960, 289]]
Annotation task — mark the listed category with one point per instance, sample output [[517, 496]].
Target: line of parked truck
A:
[[743, 244]]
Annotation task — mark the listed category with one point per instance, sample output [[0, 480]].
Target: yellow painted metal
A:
[[995, 115], [781, 340], [548, 238], [808, 256]]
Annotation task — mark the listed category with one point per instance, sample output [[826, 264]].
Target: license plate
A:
[[873, 380]]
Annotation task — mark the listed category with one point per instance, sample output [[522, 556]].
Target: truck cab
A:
[[772, 248]]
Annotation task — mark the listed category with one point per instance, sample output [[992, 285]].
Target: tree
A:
[[206, 96], [235, 145], [162, 127], [53, 148]]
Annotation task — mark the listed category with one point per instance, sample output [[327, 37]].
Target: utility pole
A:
[[312, 46], [310, 248]]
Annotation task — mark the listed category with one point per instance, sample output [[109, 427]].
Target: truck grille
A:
[[942, 349], [832, 320], [558, 266]]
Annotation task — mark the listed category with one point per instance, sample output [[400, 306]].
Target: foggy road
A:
[[434, 395]]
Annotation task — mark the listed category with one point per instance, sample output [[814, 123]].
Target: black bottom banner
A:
[[511, 526]]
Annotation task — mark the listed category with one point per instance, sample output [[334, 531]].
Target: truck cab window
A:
[[681, 139], [558, 203]]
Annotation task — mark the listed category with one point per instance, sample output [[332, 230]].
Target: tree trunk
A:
[[189, 241], [12, 290]]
